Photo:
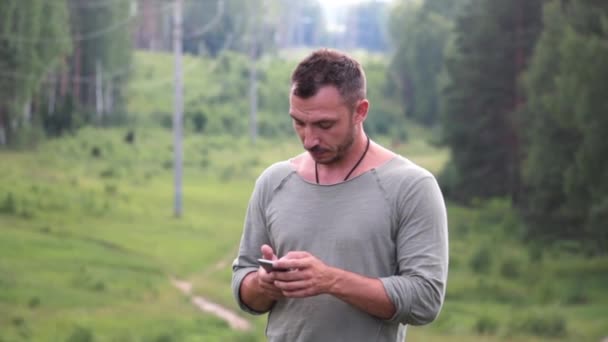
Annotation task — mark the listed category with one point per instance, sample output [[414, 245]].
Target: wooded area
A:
[[503, 101], [516, 88]]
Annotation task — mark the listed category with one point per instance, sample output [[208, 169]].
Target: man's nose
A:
[[309, 139]]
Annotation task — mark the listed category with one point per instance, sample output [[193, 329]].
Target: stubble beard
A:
[[341, 150]]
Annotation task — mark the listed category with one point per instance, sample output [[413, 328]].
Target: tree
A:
[[565, 167], [494, 40], [420, 36], [33, 41], [102, 49]]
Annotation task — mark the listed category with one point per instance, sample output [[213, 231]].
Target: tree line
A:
[[519, 91], [63, 63], [517, 87], [67, 63]]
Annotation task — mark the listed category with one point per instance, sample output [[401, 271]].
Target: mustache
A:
[[316, 149]]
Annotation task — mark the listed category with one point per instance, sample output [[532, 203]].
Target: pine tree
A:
[[493, 42], [565, 169], [420, 36]]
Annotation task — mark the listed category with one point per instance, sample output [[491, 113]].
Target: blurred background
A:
[[132, 132]]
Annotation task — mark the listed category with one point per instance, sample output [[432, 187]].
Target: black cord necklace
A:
[[351, 170]]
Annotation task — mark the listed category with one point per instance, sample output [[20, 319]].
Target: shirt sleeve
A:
[[254, 236], [418, 288]]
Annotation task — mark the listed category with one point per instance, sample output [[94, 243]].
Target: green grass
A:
[[87, 246], [88, 241], [91, 241]]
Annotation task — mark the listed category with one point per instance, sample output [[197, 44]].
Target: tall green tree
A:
[[33, 40], [566, 166], [102, 49], [420, 32], [419, 37], [494, 40]]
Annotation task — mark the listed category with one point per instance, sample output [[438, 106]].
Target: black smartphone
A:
[[268, 265]]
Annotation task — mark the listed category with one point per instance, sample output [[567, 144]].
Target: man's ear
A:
[[361, 111]]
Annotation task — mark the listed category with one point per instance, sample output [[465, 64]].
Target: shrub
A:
[[199, 120], [164, 338], [95, 152], [110, 189], [99, 286], [541, 324], [108, 173], [576, 294], [481, 261], [499, 291], [486, 325], [510, 268], [129, 137], [80, 334], [535, 253], [18, 321], [34, 302], [9, 205]]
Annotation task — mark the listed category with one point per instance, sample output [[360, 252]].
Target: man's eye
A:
[[298, 123], [325, 125]]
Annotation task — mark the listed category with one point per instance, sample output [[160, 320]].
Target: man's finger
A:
[[292, 263], [292, 285], [301, 293], [267, 252]]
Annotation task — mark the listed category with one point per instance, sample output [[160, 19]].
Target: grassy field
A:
[[88, 243]]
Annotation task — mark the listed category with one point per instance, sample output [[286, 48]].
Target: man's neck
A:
[[350, 165]]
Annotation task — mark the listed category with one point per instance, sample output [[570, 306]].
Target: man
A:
[[358, 234]]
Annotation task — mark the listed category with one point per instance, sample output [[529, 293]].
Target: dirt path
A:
[[235, 322]]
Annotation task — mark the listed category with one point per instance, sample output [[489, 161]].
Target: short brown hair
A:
[[329, 67]]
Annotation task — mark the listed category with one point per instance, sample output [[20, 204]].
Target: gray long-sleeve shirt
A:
[[389, 223]]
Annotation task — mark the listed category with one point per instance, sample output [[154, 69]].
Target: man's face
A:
[[325, 124]]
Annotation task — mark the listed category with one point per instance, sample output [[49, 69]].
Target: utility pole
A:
[[178, 107], [255, 50], [99, 91], [253, 81]]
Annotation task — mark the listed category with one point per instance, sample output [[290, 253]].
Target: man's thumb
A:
[[268, 253]]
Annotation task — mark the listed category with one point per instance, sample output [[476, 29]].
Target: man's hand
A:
[[308, 276], [257, 290], [266, 280]]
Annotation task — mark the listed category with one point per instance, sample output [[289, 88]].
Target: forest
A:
[[503, 101]]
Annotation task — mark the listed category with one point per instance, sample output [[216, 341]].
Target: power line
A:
[[95, 4], [203, 30], [132, 67], [83, 37], [190, 66]]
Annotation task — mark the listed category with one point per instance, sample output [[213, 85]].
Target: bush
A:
[[95, 152], [576, 295], [80, 334], [34, 302], [541, 324], [481, 262], [164, 338], [199, 120], [510, 268], [499, 291], [108, 173], [486, 325], [9, 205]]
